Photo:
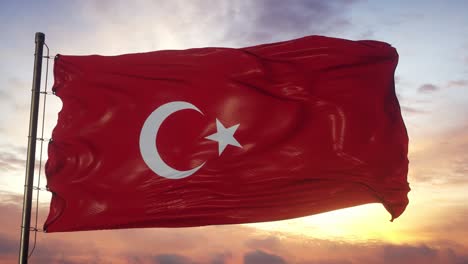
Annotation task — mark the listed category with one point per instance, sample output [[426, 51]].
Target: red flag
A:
[[223, 136]]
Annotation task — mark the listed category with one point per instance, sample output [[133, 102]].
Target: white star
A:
[[224, 136]]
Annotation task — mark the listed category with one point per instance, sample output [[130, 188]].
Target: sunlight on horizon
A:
[[360, 224]]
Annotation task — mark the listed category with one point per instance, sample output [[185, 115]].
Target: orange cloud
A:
[[228, 244], [441, 159]]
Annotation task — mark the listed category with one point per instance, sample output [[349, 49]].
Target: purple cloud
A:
[[406, 254], [338, 261], [221, 258], [428, 88], [171, 259], [291, 18], [7, 245], [261, 257]]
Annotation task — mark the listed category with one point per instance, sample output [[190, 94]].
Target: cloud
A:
[[10, 199], [14, 105], [450, 222], [458, 83], [268, 243], [221, 245], [221, 258], [407, 254], [174, 258], [428, 88], [11, 161], [171, 259], [261, 257], [447, 156], [170, 24], [329, 262], [411, 110], [5, 97], [368, 34], [13, 158], [15, 91], [7, 245], [292, 18]]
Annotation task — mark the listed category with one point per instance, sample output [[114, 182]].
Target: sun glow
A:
[[358, 224]]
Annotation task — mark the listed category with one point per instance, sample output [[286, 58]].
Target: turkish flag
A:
[[210, 136]]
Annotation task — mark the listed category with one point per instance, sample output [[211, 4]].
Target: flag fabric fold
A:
[[210, 136]]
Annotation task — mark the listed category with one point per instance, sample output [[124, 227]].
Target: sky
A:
[[431, 83]]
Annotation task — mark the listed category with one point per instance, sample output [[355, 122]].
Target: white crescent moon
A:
[[149, 133]]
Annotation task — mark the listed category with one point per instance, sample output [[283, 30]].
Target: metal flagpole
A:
[[31, 156]]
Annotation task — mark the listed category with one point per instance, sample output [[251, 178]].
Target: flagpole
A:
[[31, 156]]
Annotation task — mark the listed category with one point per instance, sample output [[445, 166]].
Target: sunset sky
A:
[[431, 38]]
